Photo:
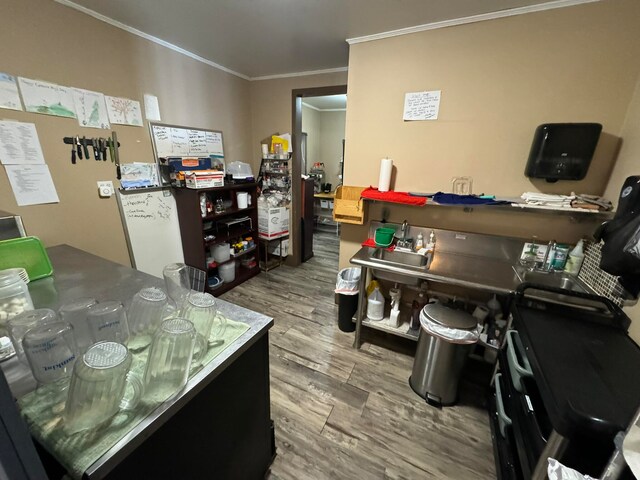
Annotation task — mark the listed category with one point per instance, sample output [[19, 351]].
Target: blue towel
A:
[[453, 199]]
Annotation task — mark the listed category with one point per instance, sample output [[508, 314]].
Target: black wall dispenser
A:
[[562, 151]]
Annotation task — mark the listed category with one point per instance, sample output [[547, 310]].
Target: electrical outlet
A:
[[105, 189]]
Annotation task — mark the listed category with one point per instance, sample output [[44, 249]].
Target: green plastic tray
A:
[[28, 253]]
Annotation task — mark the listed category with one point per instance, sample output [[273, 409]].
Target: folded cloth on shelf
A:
[[549, 200], [454, 199], [373, 193]]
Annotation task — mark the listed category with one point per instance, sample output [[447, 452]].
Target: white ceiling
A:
[[328, 102], [256, 38]]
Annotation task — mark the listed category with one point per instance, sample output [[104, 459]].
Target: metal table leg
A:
[[360, 311]]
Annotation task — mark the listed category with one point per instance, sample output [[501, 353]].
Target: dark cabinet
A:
[[307, 219]]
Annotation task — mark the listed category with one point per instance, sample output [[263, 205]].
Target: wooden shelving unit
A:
[[194, 227]]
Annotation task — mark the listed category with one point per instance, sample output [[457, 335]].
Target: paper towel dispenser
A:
[[562, 151]]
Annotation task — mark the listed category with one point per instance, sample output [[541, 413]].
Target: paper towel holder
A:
[[562, 151]]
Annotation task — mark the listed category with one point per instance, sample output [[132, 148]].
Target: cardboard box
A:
[[275, 248], [273, 222], [203, 179]]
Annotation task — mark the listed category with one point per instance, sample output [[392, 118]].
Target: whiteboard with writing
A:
[[151, 225], [176, 141]]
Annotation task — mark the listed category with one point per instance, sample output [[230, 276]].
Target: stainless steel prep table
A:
[[218, 425]]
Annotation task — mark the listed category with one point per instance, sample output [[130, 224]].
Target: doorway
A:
[[318, 119]]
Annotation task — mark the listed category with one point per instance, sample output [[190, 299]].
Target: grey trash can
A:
[[347, 290], [446, 336]]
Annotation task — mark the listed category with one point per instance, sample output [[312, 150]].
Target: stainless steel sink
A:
[[551, 279], [399, 258], [399, 266]]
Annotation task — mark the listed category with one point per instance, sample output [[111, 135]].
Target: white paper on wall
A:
[[9, 95], [47, 98], [421, 105], [91, 109]]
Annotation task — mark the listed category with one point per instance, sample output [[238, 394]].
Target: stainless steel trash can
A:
[[446, 336]]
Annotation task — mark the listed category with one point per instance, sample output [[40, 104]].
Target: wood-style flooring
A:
[[341, 413]]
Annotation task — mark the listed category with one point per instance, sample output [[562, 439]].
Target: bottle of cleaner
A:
[[575, 259], [419, 242], [375, 305]]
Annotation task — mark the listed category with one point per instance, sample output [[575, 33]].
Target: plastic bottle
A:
[[375, 305], [431, 246], [576, 257], [419, 242], [416, 308], [494, 306]]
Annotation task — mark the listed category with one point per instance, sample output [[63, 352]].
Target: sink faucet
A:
[[548, 257], [404, 242]]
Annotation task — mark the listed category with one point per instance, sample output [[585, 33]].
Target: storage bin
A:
[[227, 271], [221, 252], [348, 206], [27, 253], [14, 296]]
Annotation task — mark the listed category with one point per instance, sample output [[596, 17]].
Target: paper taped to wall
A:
[[421, 105], [32, 184], [47, 98], [9, 96], [124, 111], [151, 107], [19, 144], [91, 109]]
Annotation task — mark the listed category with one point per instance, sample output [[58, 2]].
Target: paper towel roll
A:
[[386, 166]]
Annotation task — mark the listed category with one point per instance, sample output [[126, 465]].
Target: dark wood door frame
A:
[[297, 95]]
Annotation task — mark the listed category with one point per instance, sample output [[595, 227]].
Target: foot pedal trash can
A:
[[347, 290], [446, 337]]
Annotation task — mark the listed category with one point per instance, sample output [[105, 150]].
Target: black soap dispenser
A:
[[562, 151]]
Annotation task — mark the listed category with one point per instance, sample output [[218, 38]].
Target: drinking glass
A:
[[98, 385], [145, 314], [176, 279], [107, 321], [51, 351], [75, 313], [22, 323], [200, 309], [169, 360]]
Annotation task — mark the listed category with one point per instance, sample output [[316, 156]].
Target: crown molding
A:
[[301, 74], [472, 19], [151, 38]]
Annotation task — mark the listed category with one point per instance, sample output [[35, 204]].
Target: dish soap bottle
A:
[[431, 246], [375, 305], [419, 242], [576, 257]]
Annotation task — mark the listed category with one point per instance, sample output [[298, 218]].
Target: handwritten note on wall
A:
[[184, 142], [421, 105]]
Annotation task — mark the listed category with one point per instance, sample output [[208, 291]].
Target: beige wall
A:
[[311, 126], [499, 80], [271, 104], [45, 40], [332, 133], [629, 164]]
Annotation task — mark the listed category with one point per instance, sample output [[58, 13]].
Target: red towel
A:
[[393, 197], [370, 242]]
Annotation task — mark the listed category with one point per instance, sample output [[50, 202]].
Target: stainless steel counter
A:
[[81, 274], [481, 273]]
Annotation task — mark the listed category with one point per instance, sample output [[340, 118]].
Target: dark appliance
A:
[[618, 235], [580, 386], [562, 151]]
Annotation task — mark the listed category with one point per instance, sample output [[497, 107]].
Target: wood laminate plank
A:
[[342, 413]]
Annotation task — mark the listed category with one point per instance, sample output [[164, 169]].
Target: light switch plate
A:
[[105, 189]]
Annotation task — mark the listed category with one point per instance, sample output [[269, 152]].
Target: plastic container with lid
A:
[[227, 271], [14, 296], [221, 252], [375, 305]]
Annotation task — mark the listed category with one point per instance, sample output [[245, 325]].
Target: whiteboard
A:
[[151, 225], [176, 141]]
